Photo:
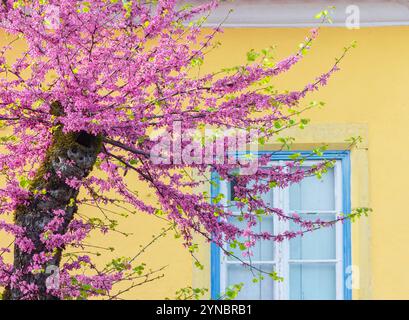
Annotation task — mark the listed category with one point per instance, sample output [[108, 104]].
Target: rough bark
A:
[[70, 155]]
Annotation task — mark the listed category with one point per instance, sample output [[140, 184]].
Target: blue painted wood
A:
[[215, 250], [346, 206]]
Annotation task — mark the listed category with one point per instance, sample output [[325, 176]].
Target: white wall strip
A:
[[298, 13]]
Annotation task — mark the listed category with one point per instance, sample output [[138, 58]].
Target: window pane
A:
[[231, 192], [267, 197], [313, 193], [262, 290], [312, 282], [319, 244], [266, 248], [263, 250]]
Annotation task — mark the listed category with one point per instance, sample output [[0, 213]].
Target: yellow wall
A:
[[369, 97]]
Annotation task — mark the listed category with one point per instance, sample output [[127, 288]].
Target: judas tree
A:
[[101, 87]]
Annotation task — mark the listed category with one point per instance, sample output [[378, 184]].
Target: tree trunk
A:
[[70, 155]]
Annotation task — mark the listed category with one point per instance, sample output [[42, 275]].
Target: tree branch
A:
[[125, 147]]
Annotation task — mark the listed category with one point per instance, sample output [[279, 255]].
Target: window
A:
[[313, 266]]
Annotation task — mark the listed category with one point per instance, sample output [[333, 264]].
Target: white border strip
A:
[[306, 25], [300, 13]]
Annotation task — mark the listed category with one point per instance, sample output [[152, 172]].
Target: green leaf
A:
[[252, 55], [196, 62], [295, 156], [24, 182], [272, 184], [318, 15], [199, 265], [275, 277], [72, 202]]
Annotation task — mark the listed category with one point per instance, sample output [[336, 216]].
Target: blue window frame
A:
[[343, 157]]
